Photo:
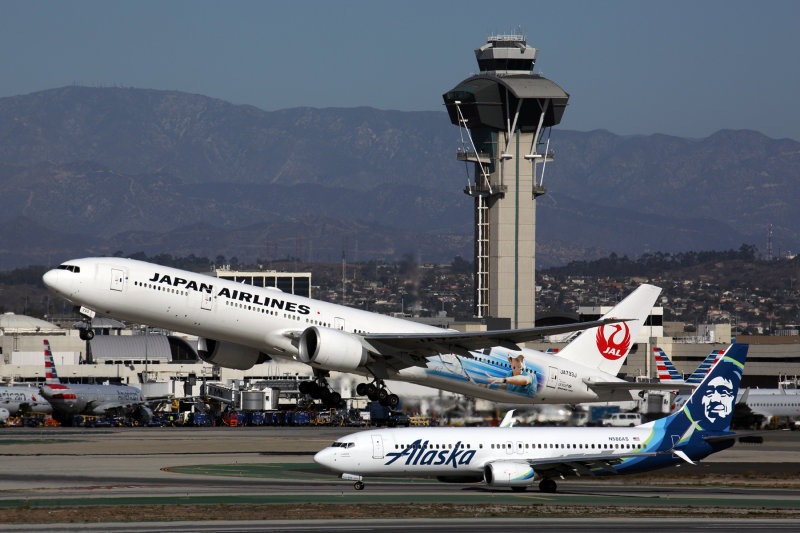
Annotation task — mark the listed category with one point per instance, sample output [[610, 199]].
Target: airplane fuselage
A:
[[15, 398], [464, 452], [72, 399], [270, 321]]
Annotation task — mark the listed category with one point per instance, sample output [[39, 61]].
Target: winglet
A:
[[508, 420]]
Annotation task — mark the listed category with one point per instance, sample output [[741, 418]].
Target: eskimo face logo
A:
[[615, 345], [718, 399]]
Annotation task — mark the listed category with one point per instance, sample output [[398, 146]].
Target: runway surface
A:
[[257, 468]]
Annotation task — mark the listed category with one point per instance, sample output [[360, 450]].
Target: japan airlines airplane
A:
[[73, 399], [23, 399], [239, 325], [516, 457]]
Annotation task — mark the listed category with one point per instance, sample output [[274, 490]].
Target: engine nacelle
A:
[[331, 349], [227, 354], [508, 474]]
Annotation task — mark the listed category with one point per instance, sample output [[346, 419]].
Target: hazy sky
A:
[[686, 68]]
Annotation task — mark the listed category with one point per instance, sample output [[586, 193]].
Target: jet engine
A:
[[331, 349], [508, 474], [228, 354]]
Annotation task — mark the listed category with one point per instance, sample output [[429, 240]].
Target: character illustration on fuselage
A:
[[515, 456], [239, 326]]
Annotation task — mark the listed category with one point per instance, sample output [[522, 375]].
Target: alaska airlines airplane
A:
[[516, 457], [241, 325], [765, 402], [24, 399], [71, 399]]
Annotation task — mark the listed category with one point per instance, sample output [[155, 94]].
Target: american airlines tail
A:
[[606, 347], [51, 377]]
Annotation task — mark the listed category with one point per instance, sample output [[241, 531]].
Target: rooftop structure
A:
[[504, 112]]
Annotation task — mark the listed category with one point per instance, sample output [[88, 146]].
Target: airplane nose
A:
[[324, 457], [51, 278]]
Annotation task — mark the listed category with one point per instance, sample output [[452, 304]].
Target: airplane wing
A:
[[611, 386], [461, 343], [581, 464]]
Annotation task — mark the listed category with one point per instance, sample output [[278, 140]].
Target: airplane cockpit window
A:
[[338, 444], [71, 268]]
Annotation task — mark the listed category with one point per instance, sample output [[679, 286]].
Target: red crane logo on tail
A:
[[610, 347]]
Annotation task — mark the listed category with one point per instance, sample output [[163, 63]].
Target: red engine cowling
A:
[[331, 349], [228, 354], [508, 474]]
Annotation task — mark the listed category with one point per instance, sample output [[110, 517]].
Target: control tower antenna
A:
[[502, 113], [769, 242]]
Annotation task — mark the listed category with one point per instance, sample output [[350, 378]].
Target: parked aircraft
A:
[[241, 325], [72, 399], [17, 398], [516, 457]]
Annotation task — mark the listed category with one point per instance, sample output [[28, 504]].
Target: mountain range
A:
[[89, 171]]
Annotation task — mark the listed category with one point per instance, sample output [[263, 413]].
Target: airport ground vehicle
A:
[[622, 420]]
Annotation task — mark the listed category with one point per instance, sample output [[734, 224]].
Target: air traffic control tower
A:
[[504, 112]]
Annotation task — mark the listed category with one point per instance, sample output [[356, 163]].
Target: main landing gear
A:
[[358, 485], [320, 390], [377, 392]]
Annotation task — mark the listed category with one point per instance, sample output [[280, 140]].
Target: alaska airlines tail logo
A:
[[612, 347]]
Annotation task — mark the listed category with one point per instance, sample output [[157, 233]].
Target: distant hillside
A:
[[88, 170]]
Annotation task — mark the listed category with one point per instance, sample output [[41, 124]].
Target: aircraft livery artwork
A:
[[239, 326], [514, 457]]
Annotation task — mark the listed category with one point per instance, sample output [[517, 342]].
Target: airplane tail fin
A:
[[51, 377], [606, 347], [710, 406], [705, 367], [666, 370]]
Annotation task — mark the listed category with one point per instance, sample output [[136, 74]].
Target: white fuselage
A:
[[462, 451], [269, 321], [774, 403]]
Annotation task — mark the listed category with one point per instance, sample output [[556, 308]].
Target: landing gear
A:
[[377, 392], [320, 390], [547, 485], [86, 333], [358, 485]]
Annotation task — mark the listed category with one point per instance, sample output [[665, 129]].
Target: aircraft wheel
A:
[[315, 391], [86, 334], [384, 402], [371, 391], [358, 485], [382, 395], [393, 400], [547, 485], [304, 387], [361, 389], [332, 398]]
